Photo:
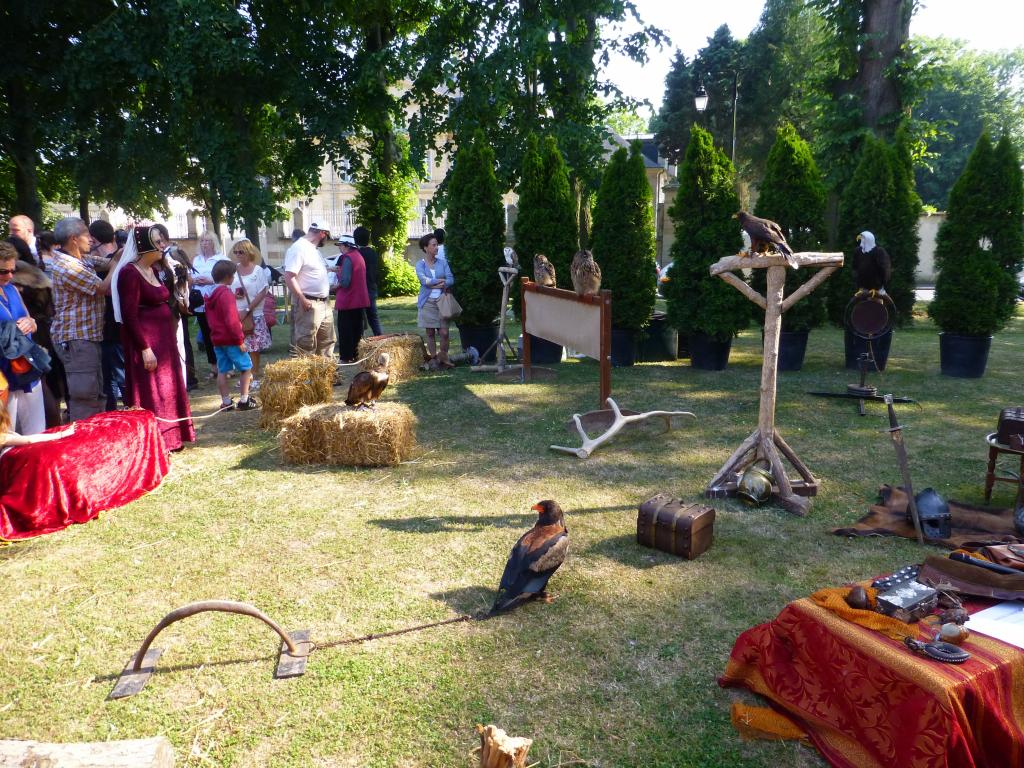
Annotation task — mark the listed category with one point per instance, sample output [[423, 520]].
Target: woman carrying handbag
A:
[[251, 288], [435, 278]]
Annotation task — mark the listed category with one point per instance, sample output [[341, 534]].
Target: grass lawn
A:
[[619, 671]]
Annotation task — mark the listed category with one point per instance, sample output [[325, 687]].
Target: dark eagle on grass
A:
[[534, 559], [765, 234]]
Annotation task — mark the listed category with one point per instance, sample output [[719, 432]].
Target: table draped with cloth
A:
[[865, 700], [111, 459]]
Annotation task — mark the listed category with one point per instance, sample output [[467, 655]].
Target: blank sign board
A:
[[568, 323]]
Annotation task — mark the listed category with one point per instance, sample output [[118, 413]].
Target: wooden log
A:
[[790, 454], [744, 288], [737, 456], [817, 279], [803, 259], [769, 366], [499, 750], [133, 753]]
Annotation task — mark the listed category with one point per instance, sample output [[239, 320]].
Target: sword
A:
[[896, 431]]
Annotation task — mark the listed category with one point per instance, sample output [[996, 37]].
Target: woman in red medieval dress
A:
[[153, 365]]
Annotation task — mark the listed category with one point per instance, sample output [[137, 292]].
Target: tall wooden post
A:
[[766, 444]]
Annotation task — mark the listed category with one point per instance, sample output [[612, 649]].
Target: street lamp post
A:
[[700, 99], [700, 102]]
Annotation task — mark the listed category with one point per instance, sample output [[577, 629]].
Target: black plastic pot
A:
[[544, 352], [623, 347], [856, 346], [482, 337], [792, 348], [708, 353], [964, 357], [683, 347], [659, 340]]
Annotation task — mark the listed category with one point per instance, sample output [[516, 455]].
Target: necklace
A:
[[149, 278]]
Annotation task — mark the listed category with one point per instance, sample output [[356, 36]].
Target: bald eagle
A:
[[872, 266], [764, 234]]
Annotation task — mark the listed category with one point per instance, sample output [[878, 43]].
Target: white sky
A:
[[985, 24]]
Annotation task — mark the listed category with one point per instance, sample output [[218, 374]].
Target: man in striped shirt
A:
[[77, 328]]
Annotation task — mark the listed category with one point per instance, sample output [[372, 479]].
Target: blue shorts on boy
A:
[[232, 359]]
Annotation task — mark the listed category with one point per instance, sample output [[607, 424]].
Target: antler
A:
[[591, 444]]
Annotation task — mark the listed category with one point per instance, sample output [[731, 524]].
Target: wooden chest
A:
[[670, 525], [1011, 422]]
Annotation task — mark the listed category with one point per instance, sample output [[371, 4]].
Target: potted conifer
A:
[[624, 245], [793, 195], [475, 241], [705, 308], [545, 223], [979, 250]]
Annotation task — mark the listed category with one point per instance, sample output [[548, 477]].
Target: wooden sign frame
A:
[[603, 302]]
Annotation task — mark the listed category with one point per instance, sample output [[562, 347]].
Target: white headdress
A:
[[129, 254]]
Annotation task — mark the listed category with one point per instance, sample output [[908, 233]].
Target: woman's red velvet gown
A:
[[147, 321]]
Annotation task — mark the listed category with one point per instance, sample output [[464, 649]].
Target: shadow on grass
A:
[[467, 600], [424, 524], [625, 550]]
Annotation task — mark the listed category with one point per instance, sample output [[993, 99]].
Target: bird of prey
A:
[[543, 271], [534, 559], [367, 386], [872, 266], [511, 259], [765, 234], [586, 274]]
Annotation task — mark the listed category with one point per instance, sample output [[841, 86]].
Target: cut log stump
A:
[[499, 750], [134, 753]]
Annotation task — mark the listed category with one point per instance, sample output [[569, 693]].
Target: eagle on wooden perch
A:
[[872, 266], [765, 234], [367, 386], [534, 559], [586, 274], [543, 271]]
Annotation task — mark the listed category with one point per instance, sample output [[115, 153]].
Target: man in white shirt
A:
[[305, 274], [22, 227]]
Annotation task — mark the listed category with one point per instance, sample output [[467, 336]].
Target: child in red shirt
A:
[[227, 338]]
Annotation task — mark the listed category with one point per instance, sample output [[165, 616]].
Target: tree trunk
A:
[[214, 210], [83, 205], [24, 153], [886, 31]]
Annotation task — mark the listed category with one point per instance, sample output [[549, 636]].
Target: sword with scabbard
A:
[[896, 432]]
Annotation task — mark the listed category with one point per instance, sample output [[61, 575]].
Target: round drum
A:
[[870, 316]]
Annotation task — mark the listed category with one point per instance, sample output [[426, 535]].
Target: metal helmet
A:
[[936, 520], [755, 485]]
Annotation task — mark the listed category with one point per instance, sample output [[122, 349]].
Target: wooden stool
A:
[[994, 449]]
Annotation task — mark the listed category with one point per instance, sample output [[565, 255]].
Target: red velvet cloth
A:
[[867, 701], [111, 459]]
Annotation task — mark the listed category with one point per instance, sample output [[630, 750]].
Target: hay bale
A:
[[289, 384], [406, 351], [357, 437]]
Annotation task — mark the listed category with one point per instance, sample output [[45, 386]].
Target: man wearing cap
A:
[[305, 274], [351, 299]]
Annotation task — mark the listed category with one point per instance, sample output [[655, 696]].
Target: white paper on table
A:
[[1004, 621]]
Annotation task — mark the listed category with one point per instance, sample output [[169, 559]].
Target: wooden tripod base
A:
[[791, 493]]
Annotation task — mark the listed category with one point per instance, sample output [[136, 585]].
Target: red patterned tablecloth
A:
[[111, 459], [866, 701]]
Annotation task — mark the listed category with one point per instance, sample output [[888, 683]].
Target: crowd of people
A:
[[94, 318]]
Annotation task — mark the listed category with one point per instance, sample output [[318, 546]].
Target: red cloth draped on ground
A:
[[867, 701], [111, 459], [148, 323]]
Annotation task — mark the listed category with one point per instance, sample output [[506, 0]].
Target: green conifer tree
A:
[[793, 195], [705, 231], [476, 232], [623, 239], [546, 222], [975, 292], [901, 239]]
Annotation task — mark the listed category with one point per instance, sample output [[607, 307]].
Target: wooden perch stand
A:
[[135, 753], [766, 444], [499, 750], [619, 422]]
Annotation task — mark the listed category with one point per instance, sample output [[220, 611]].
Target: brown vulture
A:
[[872, 266], [765, 234], [586, 274], [367, 386], [543, 271], [534, 559]]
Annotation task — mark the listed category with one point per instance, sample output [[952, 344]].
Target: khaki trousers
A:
[[313, 330]]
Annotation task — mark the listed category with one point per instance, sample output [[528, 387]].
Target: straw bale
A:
[[337, 434], [406, 351], [289, 384]]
